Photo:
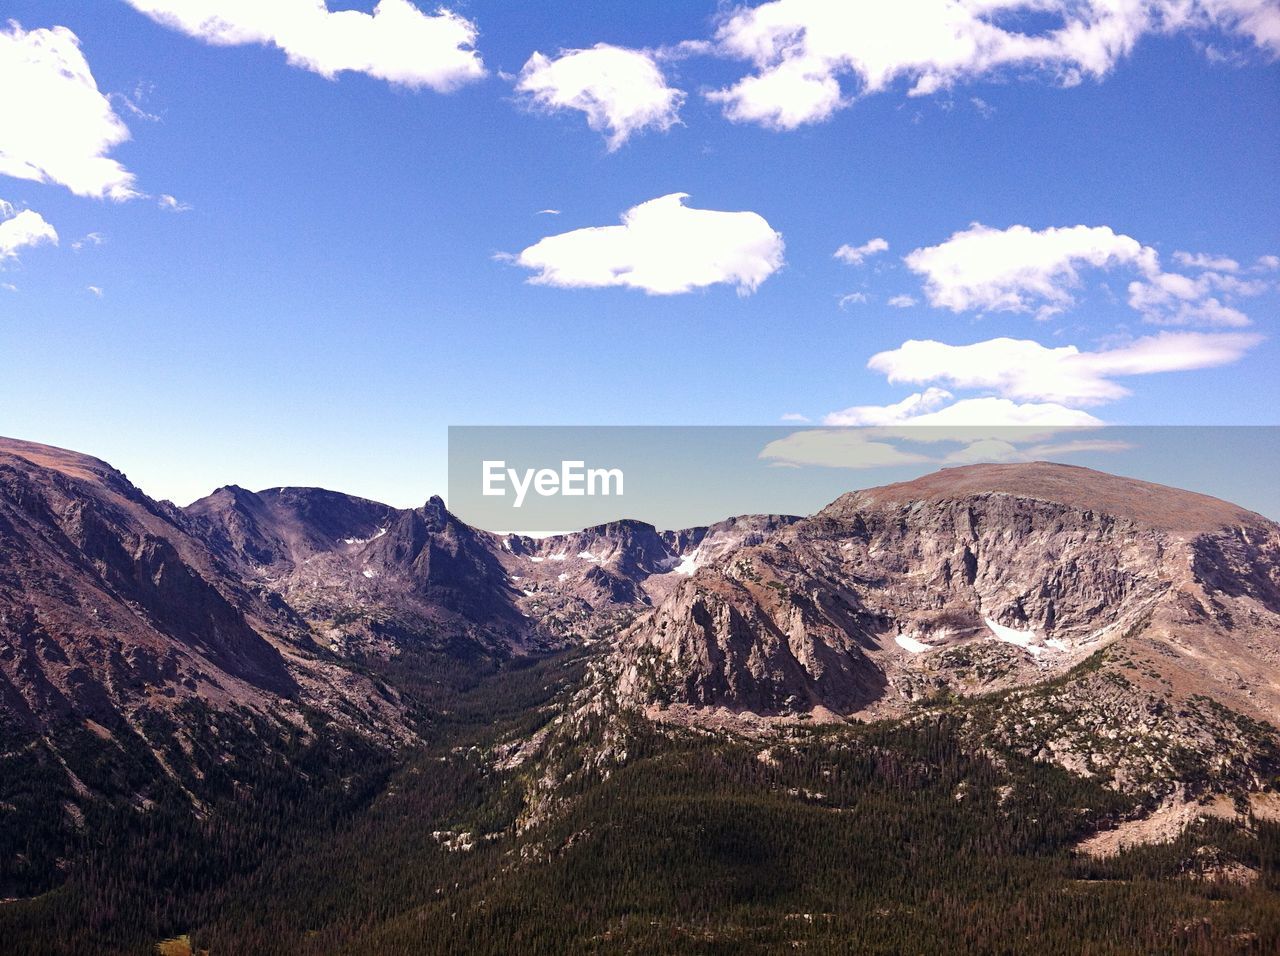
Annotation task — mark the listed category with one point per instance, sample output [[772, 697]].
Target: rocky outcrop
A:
[[111, 609], [968, 580], [1134, 604]]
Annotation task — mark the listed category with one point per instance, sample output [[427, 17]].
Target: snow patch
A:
[[588, 556], [537, 560], [381, 532], [369, 573], [908, 643], [1011, 635], [562, 577], [689, 563]]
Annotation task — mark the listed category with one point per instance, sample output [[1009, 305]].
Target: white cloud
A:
[[171, 204], [662, 247], [1007, 449], [55, 125], [19, 230], [794, 417], [856, 255], [1024, 370], [1003, 413], [902, 301], [1267, 264], [94, 291], [397, 42], [920, 403], [621, 91], [802, 50], [853, 298], [1202, 260], [1023, 270], [1019, 269], [935, 408], [1168, 298], [837, 448]]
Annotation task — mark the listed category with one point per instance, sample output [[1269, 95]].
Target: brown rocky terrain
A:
[[1125, 631], [110, 609], [978, 578]]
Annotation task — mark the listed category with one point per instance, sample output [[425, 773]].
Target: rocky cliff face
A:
[[366, 577], [1101, 609], [112, 611], [974, 578]]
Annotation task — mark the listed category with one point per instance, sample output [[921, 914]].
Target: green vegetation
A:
[[875, 839]]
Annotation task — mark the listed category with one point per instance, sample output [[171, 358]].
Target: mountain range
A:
[[1125, 633]]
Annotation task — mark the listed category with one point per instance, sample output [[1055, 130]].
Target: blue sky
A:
[[353, 272]]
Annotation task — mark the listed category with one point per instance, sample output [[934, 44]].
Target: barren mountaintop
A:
[[1153, 505]]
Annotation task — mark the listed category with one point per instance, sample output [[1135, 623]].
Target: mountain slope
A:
[[977, 577], [366, 577]]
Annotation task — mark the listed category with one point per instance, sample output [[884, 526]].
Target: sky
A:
[[291, 243]]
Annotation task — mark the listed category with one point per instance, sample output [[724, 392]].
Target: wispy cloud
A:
[[856, 255]]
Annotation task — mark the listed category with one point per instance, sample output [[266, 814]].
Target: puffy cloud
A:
[[856, 255], [1037, 390], [1024, 370], [621, 91], [1172, 299], [1023, 270], [397, 42], [803, 49], [1019, 269], [55, 125], [18, 230], [662, 247]]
